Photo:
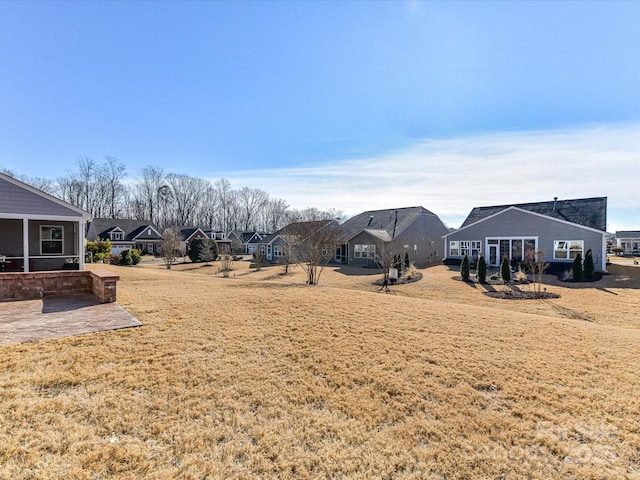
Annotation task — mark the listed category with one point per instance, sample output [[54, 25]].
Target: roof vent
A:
[[555, 200], [370, 220]]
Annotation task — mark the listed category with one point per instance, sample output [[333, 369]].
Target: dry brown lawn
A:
[[260, 376]]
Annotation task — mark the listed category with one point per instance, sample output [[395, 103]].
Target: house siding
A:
[[520, 224], [17, 200]]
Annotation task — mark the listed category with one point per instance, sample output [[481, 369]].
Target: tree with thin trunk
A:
[[313, 244], [171, 246]]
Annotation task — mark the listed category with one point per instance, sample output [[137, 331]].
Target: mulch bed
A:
[[514, 292], [518, 294], [401, 281]]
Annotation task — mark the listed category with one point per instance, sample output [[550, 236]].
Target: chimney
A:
[[370, 220], [555, 200]]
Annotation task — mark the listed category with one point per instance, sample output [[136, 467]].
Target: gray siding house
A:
[[126, 234], [629, 241], [37, 230], [559, 228], [412, 230]]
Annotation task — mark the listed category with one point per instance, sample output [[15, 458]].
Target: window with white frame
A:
[[471, 248], [279, 251], [117, 235], [51, 239], [364, 251], [454, 248], [567, 249]]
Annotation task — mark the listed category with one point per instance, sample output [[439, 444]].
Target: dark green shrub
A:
[[203, 250], [576, 269], [125, 257], [588, 265], [464, 268], [136, 257], [505, 269], [482, 269], [406, 261]]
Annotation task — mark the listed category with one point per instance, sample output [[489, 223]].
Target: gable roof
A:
[[188, 232], [18, 198], [393, 221], [588, 212], [131, 228], [287, 232]]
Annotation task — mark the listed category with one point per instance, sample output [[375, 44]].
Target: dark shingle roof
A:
[[131, 228], [588, 212], [288, 230], [628, 234], [393, 221]]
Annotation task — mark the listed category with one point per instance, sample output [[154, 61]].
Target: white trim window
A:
[[364, 251], [116, 235], [51, 240], [472, 248], [567, 249], [279, 250], [454, 248]]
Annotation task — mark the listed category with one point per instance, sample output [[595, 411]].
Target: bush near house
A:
[[577, 268], [482, 269], [464, 268], [100, 250], [505, 270], [589, 267]]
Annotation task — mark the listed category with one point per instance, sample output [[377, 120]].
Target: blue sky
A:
[[350, 105]]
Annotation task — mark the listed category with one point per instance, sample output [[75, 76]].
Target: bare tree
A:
[[250, 202], [110, 175], [226, 262], [171, 246], [225, 200], [274, 215], [536, 264], [147, 193], [187, 192], [313, 244]]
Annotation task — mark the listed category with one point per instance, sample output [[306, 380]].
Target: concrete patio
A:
[[54, 317]]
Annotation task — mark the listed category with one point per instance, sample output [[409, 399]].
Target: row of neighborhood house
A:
[[41, 232]]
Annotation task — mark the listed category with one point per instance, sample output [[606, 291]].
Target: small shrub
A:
[[482, 269], [99, 257], [136, 257], [520, 276], [114, 259], [577, 268], [410, 271], [125, 257], [464, 268], [407, 263], [505, 269], [588, 265]]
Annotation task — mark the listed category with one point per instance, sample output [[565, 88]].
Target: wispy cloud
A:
[[451, 176]]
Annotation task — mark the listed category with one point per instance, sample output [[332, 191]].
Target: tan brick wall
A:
[[24, 286]]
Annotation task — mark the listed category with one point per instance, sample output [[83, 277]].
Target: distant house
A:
[[224, 243], [278, 246], [628, 241], [559, 228], [37, 230], [245, 243], [411, 230], [188, 234], [126, 234]]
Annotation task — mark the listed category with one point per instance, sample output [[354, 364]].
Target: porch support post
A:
[[25, 244], [81, 244]]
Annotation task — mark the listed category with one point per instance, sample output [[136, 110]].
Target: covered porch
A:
[[30, 243]]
